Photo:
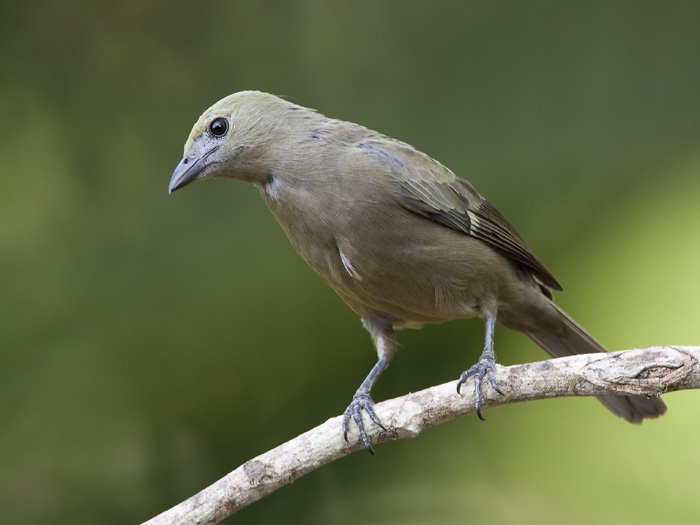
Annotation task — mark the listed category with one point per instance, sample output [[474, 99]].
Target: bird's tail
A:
[[569, 339]]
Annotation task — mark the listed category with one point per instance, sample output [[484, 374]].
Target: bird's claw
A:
[[485, 366], [361, 401]]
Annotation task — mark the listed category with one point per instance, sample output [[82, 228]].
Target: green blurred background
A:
[[152, 343]]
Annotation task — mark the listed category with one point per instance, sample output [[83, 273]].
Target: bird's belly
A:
[[401, 265], [417, 282]]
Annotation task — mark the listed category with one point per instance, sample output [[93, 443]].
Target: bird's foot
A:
[[361, 401], [485, 366]]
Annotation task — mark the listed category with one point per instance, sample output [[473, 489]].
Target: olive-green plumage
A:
[[396, 234]]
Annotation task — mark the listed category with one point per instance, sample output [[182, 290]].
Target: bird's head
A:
[[231, 139]]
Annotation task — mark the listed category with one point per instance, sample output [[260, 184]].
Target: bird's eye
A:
[[218, 127]]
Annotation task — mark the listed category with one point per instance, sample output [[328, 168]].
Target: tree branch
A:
[[648, 371]]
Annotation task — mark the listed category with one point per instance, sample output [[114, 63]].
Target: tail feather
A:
[[570, 339]]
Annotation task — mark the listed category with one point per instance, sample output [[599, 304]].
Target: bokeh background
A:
[[149, 344]]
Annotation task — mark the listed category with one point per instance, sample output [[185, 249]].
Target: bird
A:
[[398, 236]]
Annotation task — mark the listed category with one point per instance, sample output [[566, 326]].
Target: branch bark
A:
[[647, 371]]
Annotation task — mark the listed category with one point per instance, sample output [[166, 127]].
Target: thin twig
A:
[[648, 371]]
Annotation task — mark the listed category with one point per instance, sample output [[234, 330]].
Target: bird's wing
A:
[[429, 189]]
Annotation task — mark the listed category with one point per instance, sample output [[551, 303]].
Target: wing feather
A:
[[429, 189]]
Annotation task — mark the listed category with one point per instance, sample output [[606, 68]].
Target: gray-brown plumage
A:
[[397, 235]]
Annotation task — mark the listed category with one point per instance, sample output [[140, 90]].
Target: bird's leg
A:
[[362, 400], [385, 342], [484, 366]]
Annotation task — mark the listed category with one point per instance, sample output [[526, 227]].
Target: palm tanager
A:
[[396, 234]]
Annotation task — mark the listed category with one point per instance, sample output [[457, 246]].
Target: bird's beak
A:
[[188, 169]]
